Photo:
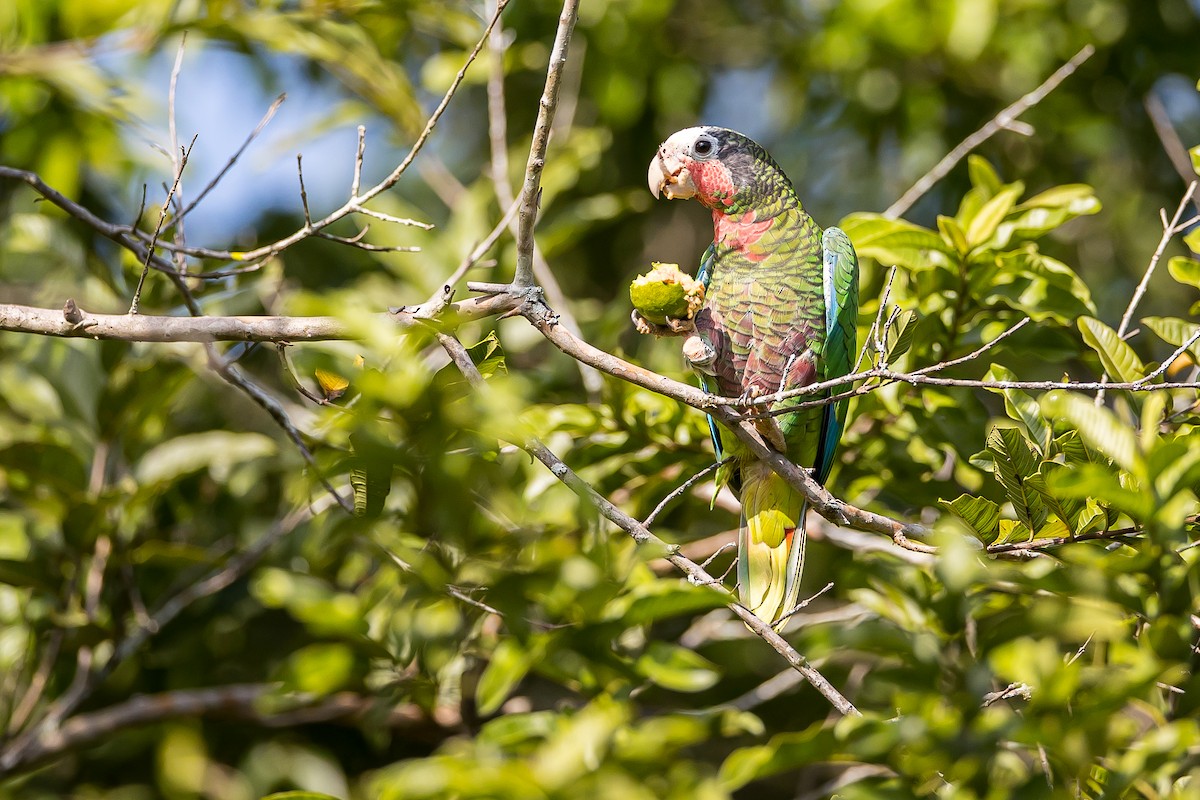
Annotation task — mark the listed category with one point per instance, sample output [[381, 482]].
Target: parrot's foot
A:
[[674, 326], [700, 353]]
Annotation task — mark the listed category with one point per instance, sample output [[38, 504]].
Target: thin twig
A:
[[359, 153], [303, 193], [162, 215], [459, 594], [803, 604], [1170, 228], [1174, 147], [683, 487], [1048, 542], [1169, 231], [18, 750], [531, 189], [229, 164], [297, 384], [240, 701], [1005, 120], [412, 223], [1169, 360], [878, 323]]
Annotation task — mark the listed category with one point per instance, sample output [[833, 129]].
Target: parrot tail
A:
[[770, 544]]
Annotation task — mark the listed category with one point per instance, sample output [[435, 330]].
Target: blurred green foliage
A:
[[493, 636]]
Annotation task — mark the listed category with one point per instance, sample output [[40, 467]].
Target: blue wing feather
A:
[[840, 280]]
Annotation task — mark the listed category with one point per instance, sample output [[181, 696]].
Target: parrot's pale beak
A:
[[668, 176]]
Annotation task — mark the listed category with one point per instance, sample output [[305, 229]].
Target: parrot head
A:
[[723, 169]]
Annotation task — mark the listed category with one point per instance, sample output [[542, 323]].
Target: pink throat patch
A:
[[714, 184]]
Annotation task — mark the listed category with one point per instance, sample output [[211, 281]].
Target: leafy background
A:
[[488, 634]]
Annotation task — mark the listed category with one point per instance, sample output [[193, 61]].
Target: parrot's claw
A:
[[674, 326], [681, 326]]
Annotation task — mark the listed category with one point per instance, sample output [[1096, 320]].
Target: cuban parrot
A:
[[780, 312]]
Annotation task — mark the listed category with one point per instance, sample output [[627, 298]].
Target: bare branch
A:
[[124, 236], [1005, 120], [877, 325], [1021, 690], [238, 701], [498, 144], [531, 190], [130, 238], [146, 328]]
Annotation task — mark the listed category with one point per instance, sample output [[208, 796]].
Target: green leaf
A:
[[1192, 240], [893, 241], [1101, 483], [1117, 357], [983, 174], [1021, 407], [299, 795], [1195, 154], [898, 338], [488, 356], [1072, 448], [1044, 212], [900, 335], [984, 225], [1175, 466], [656, 600], [1097, 426], [785, 751], [371, 470], [1011, 530], [1016, 462], [1185, 270], [509, 664], [1066, 509], [216, 451], [320, 669], [1037, 285], [952, 232], [676, 668], [981, 515], [1174, 331]]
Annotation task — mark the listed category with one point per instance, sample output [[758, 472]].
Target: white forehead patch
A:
[[683, 139]]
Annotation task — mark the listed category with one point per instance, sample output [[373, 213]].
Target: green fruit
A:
[[665, 292]]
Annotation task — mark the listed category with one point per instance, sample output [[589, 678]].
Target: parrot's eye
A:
[[704, 147]]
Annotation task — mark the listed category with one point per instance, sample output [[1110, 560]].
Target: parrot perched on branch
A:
[[780, 312]]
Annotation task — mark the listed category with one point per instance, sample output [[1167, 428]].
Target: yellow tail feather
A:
[[770, 543]]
